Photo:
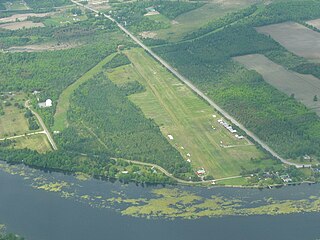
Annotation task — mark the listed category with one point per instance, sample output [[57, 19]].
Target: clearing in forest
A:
[[197, 18], [295, 37], [303, 87], [37, 142], [12, 119], [188, 123]]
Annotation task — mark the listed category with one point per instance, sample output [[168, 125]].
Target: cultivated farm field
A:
[[197, 135], [295, 37], [304, 87], [315, 23]]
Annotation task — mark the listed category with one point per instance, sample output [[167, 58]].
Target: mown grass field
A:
[[180, 113], [304, 87], [38, 142], [13, 121], [60, 117], [191, 21], [295, 37]]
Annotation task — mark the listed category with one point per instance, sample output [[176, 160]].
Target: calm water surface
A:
[[41, 215]]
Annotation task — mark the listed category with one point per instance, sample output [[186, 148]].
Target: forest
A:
[[103, 121], [50, 72], [284, 124], [46, 4]]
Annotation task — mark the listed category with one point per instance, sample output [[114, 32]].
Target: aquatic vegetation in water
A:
[[160, 202], [82, 176]]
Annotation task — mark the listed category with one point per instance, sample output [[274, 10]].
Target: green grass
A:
[[234, 182], [60, 117], [16, 5], [160, 18], [13, 121], [191, 21], [37, 142], [63, 18], [179, 112]]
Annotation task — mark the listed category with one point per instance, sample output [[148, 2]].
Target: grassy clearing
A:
[[60, 117], [63, 17], [304, 87], [180, 113], [13, 121], [191, 21], [16, 5], [37, 142], [295, 37]]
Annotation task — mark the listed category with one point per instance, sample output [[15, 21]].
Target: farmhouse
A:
[[46, 104], [201, 172]]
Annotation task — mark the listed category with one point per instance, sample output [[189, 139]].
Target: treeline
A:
[[283, 11], [97, 166], [47, 4], [230, 18], [284, 124], [100, 110], [86, 31], [117, 61], [10, 236], [259, 15]]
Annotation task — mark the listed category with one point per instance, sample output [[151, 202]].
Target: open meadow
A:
[[195, 19], [13, 121], [295, 37], [304, 87], [189, 124], [37, 142]]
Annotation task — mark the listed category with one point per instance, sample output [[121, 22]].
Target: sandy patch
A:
[[42, 47], [23, 17], [20, 25], [152, 13]]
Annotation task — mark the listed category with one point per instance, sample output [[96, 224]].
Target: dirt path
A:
[[45, 129], [22, 135]]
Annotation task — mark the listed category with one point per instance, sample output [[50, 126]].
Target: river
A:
[[38, 214]]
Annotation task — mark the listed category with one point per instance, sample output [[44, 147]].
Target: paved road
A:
[[45, 129], [197, 91]]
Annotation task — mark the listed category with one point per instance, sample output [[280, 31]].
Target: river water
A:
[[38, 214]]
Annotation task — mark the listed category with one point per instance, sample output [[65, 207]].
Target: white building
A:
[[47, 103]]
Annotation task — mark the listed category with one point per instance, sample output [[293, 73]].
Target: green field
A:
[[38, 142], [180, 113], [193, 20], [60, 117], [14, 5], [13, 121]]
